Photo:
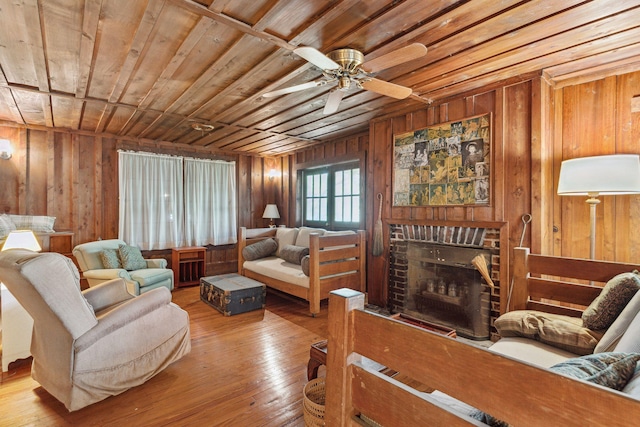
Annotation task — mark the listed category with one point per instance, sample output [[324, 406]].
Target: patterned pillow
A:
[[261, 249], [567, 333], [293, 253], [6, 226], [110, 258], [131, 258], [35, 223], [613, 298], [613, 370]]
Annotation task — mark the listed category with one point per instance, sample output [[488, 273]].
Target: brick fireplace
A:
[[431, 275]]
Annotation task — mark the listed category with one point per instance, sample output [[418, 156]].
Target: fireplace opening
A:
[[445, 288]]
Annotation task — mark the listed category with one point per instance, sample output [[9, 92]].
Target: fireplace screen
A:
[[444, 287]]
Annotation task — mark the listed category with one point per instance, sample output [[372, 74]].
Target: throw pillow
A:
[[131, 258], [565, 332], [293, 253], [6, 226], [110, 258], [304, 263], [628, 320], [261, 249], [612, 370], [35, 223], [615, 295]]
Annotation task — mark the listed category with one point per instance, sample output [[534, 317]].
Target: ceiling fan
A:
[[347, 67]]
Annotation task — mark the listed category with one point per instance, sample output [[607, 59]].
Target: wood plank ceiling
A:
[[151, 69]]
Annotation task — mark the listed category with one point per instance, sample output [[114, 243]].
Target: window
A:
[[332, 196], [171, 201]]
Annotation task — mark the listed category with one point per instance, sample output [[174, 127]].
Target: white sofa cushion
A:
[[531, 351], [277, 268], [303, 235], [285, 236]]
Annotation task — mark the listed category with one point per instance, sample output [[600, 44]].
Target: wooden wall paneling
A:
[[558, 122], [9, 171], [21, 154], [286, 187], [517, 160], [627, 208], [36, 178], [245, 210], [110, 191], [379, 180], [257, 196], [62, 185], [543, 173], [87, 194]]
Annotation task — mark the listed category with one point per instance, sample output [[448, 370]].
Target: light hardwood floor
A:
[[244, 370]]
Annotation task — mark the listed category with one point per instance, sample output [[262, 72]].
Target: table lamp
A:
[[599, 176], [271, 212]]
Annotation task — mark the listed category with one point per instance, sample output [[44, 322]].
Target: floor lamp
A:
[[599, 176]]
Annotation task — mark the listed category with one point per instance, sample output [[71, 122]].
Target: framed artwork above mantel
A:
[[447, 164]]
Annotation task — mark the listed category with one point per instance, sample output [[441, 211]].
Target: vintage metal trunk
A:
[[232, 294]]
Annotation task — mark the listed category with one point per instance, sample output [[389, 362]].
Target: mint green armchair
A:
[[155, 275]]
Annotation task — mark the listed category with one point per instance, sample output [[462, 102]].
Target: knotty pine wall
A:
[[535, 126]]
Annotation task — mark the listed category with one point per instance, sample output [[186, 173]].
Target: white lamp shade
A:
[[600, 175], [271, 212], [22, 239]]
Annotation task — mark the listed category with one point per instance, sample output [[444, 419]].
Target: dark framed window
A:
[[333, 196]]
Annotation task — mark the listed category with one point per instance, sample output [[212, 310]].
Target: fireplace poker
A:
[[526, 219]]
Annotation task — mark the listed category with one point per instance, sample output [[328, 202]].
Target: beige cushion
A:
[[261, 249], [285, 236], [303, 235], [559, 331], [293, 253], [613, 298]]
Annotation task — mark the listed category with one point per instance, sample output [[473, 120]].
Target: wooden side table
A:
[[188, 265]]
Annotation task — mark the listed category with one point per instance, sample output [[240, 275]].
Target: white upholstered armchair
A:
[[91, 256], [90, 345]]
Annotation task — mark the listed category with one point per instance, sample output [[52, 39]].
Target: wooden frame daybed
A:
[[510, 390], [336, 261]]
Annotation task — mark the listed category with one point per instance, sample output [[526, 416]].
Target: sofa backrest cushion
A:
[[618, 328], [285, 236], [303, 235], [35, 223], [6, 226]]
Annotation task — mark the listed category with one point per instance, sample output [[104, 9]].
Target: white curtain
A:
[[151, 200], [210, 202]]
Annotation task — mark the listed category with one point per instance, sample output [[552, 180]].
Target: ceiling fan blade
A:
[[295, 88], [391, 59], [385, 88], [333, 101], [316, 57]]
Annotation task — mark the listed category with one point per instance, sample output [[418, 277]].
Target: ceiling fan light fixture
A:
[[344, 83], [348, 59]]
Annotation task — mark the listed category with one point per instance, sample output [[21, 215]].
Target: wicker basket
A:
[[313, 403]]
